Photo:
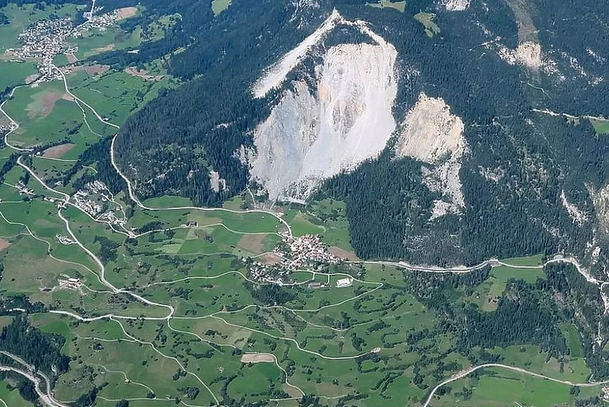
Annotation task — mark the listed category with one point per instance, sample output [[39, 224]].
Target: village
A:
[[45, 39], [95, 199], [306, 253]]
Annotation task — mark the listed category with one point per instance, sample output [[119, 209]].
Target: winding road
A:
[[37, 377], [471, 370], [34, 376]]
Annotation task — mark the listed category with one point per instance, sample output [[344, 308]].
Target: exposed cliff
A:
[[316, 132]]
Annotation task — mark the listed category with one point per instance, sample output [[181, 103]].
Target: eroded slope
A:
[[317, 132]]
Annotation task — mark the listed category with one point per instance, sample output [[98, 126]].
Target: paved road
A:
[[47, 397], [135, 199], [32, 375], [469, 371]]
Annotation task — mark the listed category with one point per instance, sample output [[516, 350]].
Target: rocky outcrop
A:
[[433, 135], [316, 132]]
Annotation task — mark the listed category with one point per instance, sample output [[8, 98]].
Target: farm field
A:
[[15, 73], [163, 301], [11, 396], [317, 335], [500, 388]]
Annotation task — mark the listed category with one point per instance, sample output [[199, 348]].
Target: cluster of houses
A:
[[304, 252], [5, 128], [268, 273], [97, 22], [64, 240], [44, 39], [88, 199], [70, 283], [82, 201], [295, 253], [23, 189]]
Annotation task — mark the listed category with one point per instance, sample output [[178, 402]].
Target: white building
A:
[[344, 282]]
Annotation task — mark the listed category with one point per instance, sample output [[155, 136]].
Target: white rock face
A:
[[575, 213], [430, 131], [432, 134], [276, 74], [601, 207], [527, 54], [311, 136], [457, 5], [217, 184]]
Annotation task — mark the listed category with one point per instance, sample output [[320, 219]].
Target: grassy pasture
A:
[[115, 95], [113, 38], [11, 395], [27, 101], [39, 109], [601, 126], [218, 6], [396, 5], [497, 387], [427, 19], [15, 73], [573, 340], [487, 294]]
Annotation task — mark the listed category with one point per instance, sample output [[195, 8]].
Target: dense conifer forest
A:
[[185, 132]]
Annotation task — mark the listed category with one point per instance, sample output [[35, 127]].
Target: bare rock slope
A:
[[317, 132], [433, 135]]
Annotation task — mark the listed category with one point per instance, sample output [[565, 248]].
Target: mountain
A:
[[455, 131], [329, 120]]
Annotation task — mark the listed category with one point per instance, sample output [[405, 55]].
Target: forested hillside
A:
[[531, 179]]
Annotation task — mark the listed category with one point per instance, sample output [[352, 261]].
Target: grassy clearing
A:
[[11, 395], [218, 6], [302, 224], [573, 340], [5, 320], [534, 359], [108, 359], [396, 5], [113, 38], [488, 293], [242, 223], [235, 203], [27, 101], [15, 73], [45, 116], [60, 60], [115, 95], [427, 19], [157, 29], [601, 126], [534, 260], [332, 216], [497, 387]]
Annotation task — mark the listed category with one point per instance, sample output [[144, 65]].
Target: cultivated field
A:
[[166, 308]]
